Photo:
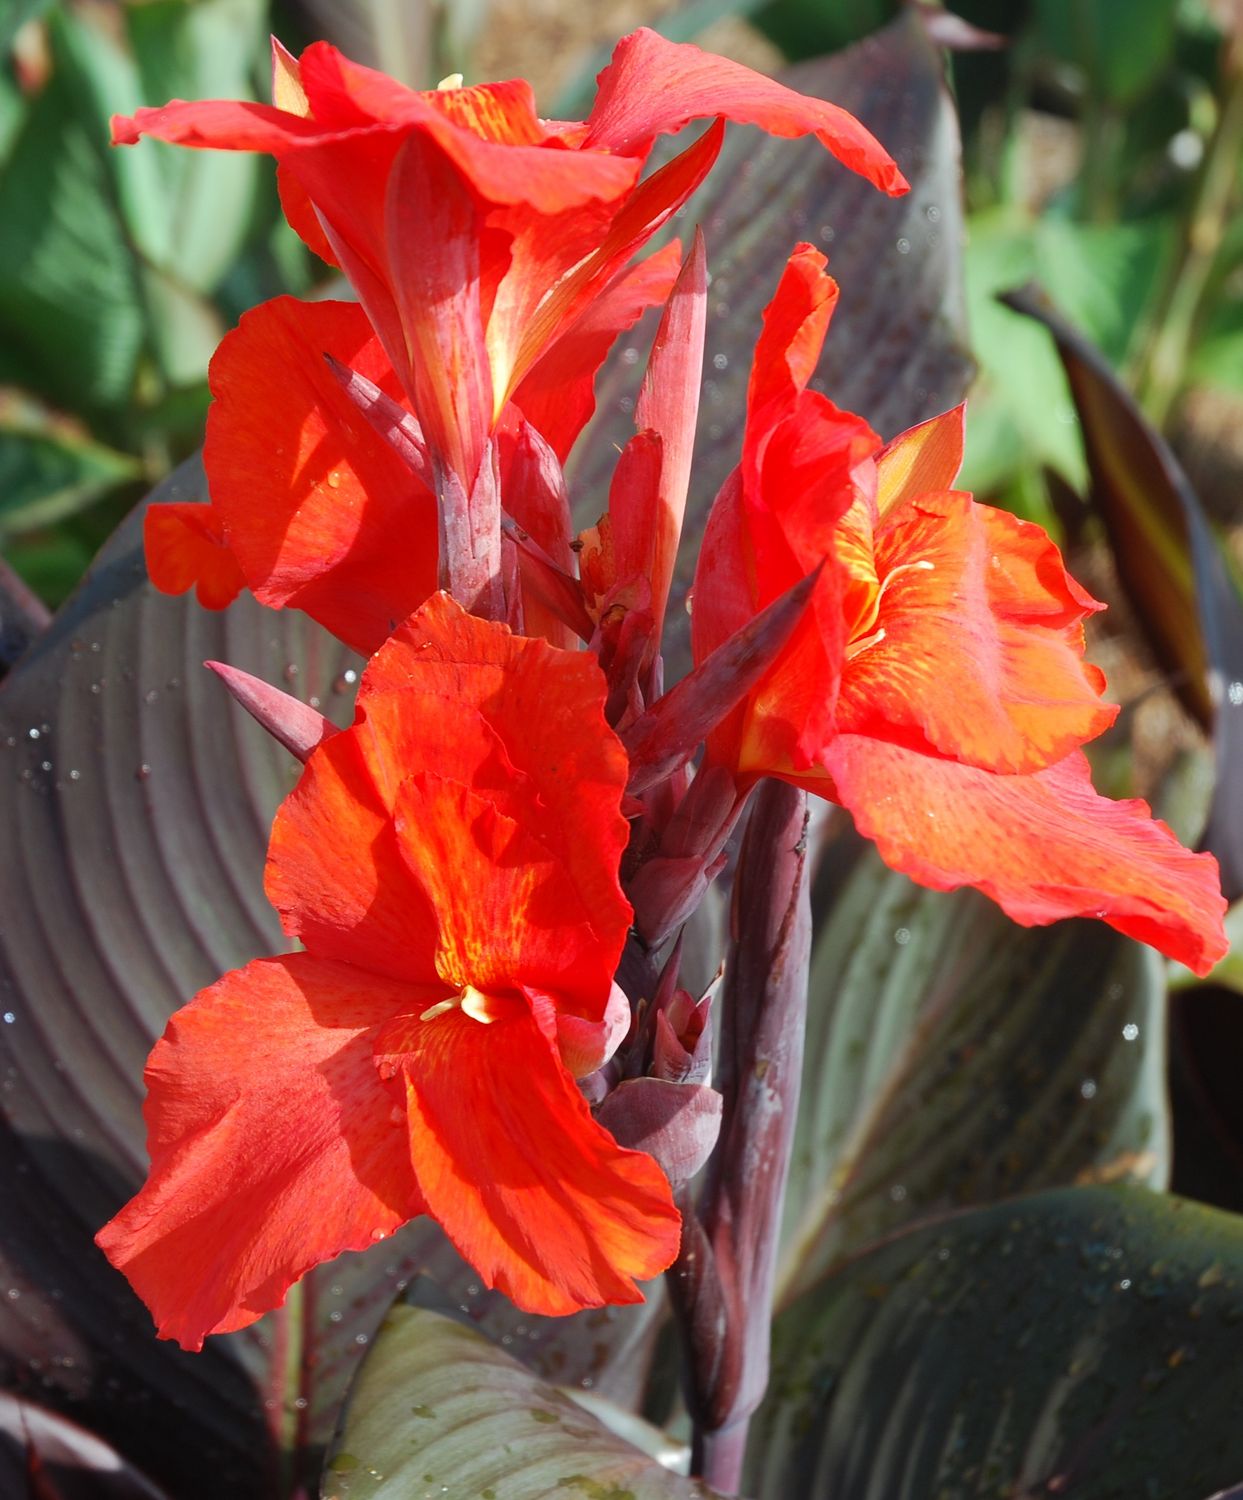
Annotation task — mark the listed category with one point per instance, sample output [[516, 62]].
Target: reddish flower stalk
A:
[[722, 1281]]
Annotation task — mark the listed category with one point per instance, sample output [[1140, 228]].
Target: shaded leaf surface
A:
[[896, 351], [953, 1058], [438, 1409], [1170, 563], [44, 1457], [1082, 1342]]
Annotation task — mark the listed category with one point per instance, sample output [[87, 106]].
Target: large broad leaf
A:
[[953, 1058], [897, 349], [1082, 1342], [71, 313], [1170, 563], [439, 1410]]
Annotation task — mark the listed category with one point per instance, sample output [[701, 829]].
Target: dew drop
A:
[[9, 1018], [720, 361], [1235, 693], [379, 1234], [75, 776], [334, 480], [903, 247], [142, 772], [1087, 1089], [32, 733], [902, 937], [1130, 1031]]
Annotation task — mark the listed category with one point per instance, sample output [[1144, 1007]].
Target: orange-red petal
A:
[[507, 911], [335, 870], [976, 649], [556, 395], [321, 514], [537, 1197], [545, 707], [186, 548], [272, 1144], [1043, 846], [653, 87]]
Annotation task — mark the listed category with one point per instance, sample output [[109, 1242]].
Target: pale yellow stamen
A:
[[453, 81], [859, 642], [472, 1002]]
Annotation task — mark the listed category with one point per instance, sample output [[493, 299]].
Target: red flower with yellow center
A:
[[450, 866], [936, 686]]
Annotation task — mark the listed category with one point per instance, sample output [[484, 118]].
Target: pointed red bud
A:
[[674, 727], [297, 725], [391, 420]]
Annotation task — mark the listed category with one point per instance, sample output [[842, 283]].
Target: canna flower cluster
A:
[[521, 812]]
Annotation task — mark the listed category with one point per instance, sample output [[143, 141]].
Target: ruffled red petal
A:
[[976, 647], [186, 548], [320, 512], [653, 87], [1043, 846], [537, 1197], [272, 1140]]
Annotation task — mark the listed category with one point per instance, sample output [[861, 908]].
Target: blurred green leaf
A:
[[70, 307], [1083, 1342], [439, 1410], [1020, 414], [808, 28], [205, 50], [16, 14], [953, 1058], [46, 473], [1122, 46]]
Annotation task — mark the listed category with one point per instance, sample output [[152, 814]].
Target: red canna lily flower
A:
[[450, 866], [478, 235], [936, 687]]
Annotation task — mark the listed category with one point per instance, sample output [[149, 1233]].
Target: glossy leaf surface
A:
[[1081, 1342], [436, 1404], [954, 1059]]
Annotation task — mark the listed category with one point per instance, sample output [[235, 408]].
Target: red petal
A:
[[1043, 846], [522, 922], [653, 87], [631, 224], [544, 706], [979, 641], [789, 345], [647, 529], [556, 395], [321, 514], [921, 460], [435, 261], [185, 548], [535, 1195], [335, 870], [272, 1144]]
